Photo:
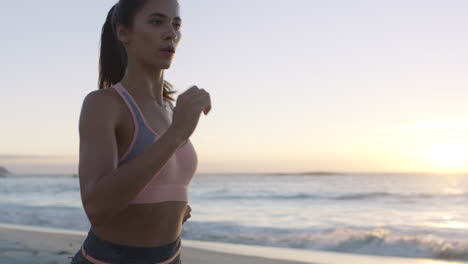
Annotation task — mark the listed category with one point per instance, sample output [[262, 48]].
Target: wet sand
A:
[[25, 244]]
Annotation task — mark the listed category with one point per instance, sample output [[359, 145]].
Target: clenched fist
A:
[[187, 214], [186, 114]]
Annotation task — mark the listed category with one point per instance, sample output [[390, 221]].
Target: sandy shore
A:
[[25, 244]]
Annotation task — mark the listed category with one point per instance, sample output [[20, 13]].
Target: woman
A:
[[136, 160]]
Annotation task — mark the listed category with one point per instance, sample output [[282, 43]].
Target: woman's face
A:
[[156, 27]]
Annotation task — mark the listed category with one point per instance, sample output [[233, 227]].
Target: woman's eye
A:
[[159, 21]]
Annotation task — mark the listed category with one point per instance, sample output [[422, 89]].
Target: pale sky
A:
[[303, 85]]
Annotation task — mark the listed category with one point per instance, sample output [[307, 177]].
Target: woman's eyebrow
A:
[[163, 15]]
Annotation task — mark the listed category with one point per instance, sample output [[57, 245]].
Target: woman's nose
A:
[[172, 33]]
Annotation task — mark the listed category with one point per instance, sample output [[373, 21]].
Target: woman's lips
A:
[[167, 53]]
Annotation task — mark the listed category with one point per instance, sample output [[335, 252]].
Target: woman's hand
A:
[[186, 114], [187, 214]]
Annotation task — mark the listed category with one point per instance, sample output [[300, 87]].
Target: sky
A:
[[295, 86]]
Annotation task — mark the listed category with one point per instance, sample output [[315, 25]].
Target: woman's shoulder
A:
[[110, 94], [106, 99], [98, 113]]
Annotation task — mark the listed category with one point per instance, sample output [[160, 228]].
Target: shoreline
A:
[[26, 244]]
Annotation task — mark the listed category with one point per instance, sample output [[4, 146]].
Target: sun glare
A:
[[448, 156]]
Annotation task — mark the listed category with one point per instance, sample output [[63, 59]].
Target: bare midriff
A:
[[145, 225]]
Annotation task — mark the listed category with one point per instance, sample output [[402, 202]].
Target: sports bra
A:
[[171, 182]]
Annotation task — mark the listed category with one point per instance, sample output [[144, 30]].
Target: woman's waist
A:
[[145, 224], [97, 247]]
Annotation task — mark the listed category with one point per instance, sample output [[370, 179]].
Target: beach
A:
[[29, 244], [263, 219]]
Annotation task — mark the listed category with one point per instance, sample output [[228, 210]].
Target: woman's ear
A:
[[122, 34]]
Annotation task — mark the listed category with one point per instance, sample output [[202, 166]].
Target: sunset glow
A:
[[449, 156]]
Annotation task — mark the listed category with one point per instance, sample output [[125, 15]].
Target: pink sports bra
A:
[[172, 180]]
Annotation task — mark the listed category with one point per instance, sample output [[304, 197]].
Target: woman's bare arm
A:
[[106, 189]]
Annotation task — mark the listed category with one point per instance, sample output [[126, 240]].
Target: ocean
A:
[[421, 216]]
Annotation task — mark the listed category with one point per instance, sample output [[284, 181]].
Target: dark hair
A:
[[113, 58]]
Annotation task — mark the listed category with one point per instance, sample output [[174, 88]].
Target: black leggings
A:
[[99, 251]]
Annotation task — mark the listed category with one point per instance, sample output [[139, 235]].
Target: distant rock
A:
[[75, 176], [320, 173], [4, 172]]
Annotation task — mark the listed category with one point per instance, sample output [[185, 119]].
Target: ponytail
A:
[[111, 67]]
